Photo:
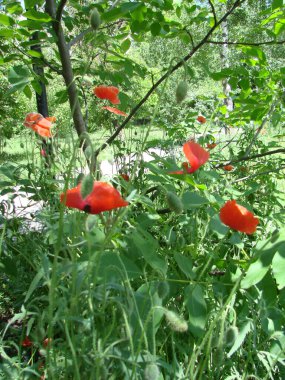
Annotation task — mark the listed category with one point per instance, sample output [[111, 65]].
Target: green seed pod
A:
[[151, 372], [181, 91], [174, 202], [176, 323], [231, 336], [95, 19], [86, 186], [79, 178], [162, 289]]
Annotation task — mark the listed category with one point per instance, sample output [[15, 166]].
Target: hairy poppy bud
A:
[[231, 335], [174, 202], [181, 91], [86, 186], [95, 19], [162, 289], [176, 323], [151, 372]]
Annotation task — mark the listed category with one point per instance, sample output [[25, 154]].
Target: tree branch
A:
[[260, 173], [174, 68], [271, 42], [60, 8], [281, 150], [213, 11]]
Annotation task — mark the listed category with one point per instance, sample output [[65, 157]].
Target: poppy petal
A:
[[44, 132], [73, 198], [52, 119], [114, 110], [107, 92], [104, 197], [201, 119], [196, 155], [238, 217]]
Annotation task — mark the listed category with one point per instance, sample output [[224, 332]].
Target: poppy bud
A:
[[175, 322], [79, 178], [174, 202], [162, 289], [151, 372], [95, 19], [231, 336], [22, 145], [86, 186], [181, 91]]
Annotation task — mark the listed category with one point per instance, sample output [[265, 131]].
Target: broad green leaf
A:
[[6, 20], [34, 53], [278, 266], [32, 14], [119, 12], [155, 28], [18, 74], [34, 284], [6, 33], [126, 44], [218, 227], [193, 200], [185, 264], [14, 8], [28, 92], [277, 4], [197, 309]]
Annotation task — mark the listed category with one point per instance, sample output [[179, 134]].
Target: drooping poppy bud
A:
[[231, 336], [174, 202], [151, 372], [181, 91], [176, 323], [95, 19], [238, 217], [125, 176]]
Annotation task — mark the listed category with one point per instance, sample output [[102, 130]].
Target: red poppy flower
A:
[[211, 146], [115, 110], [107, 92], [39, 124], [238, 217], [103, 197], [47, 342], [196, 155], [125, 176], [201, 119], [228, 168], [27, 342]]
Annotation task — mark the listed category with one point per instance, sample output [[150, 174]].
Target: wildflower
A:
[[107, 92], [238, 217], [228, 168], [125, 176], [103, 197], [211, 146], [27, 342], [43, 153], [115, 110], [39, 124], [201, 119], [196, 155]]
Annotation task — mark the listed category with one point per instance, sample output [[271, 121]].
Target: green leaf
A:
[[34, 53], [126, 44], [155, 28], [185, 264], [14, 8], [193, 200], [276, 4], [6, 33], [28, 92], [197, 308], [34, 284], [32, 14], [218, 227], [6, 20], [278, 266], [119, 12], [18, 73]]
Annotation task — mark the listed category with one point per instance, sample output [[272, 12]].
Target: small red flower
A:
[[114, 110], [211, 146], [43, 153], [201, 119], [39, 124], [238, 217], [104, 197], [27, 342], [107, 92], [125, 176], [196, 155], [228, 168]]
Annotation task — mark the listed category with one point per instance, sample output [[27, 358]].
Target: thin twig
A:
[[281, 150], [60, 8], [260, 173], [213, 11], [174, 68], [271, 42]]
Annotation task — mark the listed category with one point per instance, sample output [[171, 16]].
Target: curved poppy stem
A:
[[174, 68]]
